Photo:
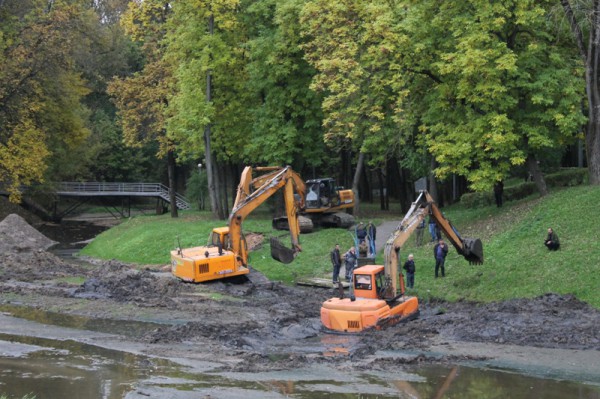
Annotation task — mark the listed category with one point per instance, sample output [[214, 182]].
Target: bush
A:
[[566, 177]]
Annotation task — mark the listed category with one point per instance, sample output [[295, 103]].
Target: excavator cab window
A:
[[362, 281], [312, 196], [380, 283], [214, 239]]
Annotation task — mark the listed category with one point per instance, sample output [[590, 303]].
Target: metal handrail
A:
[[119, 187]]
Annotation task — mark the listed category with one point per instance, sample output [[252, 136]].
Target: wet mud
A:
[[255, 325]]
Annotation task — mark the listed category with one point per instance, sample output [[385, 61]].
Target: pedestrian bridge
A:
[[83, 191], [96, 189]]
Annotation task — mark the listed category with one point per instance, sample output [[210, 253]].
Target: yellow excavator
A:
[[226, 254], [378, 295], [320, 202]]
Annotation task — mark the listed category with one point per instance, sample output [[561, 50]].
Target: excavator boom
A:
[[470, 248]]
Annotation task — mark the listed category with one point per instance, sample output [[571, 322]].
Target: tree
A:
[[588, 18], [285, 114], [348, 43], [142, 99], [205, 45], [41, 113], [490, 85]]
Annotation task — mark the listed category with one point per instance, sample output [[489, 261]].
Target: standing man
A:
[[420, 231], [372, 234], [498, 191], [552, 242], [439, 253], [350, 259], [432, 227], [336, 261], [409, 266]]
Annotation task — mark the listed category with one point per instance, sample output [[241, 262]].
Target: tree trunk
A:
[[591, 58], [211, 169], [538, 177], [356, 180], [382, 191], [433, 190], [592, 144], [172, 183]]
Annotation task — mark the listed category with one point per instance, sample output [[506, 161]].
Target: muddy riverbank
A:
[[241, 326]]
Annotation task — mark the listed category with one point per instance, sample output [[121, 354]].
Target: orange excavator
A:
[[378, 294], [226, 254]]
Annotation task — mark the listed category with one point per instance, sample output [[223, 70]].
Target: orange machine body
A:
[[365, 309]]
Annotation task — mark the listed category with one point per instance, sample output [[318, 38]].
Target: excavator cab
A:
[[321, 193]]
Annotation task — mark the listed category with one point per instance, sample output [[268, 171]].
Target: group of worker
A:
[[440, 250]]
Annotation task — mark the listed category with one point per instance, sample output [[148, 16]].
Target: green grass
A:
[[517, 264]]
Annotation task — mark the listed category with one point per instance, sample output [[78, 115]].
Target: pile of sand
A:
[[16, 235]]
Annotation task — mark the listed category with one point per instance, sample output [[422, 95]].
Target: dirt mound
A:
[[550, 321], [16, 235], [254, 241], [546, 321], [23, 256], [122, 283], [35, 265], [7, 208]]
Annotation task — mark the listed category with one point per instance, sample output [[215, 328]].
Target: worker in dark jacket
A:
[[336, 261], [439, 253], [409, 266], [552, 242]]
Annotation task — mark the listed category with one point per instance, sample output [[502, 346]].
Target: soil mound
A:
[[122, 283], [550, 321], [23, 256], [7, 208], [16, 235]]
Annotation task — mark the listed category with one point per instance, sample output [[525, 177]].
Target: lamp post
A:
[[200, 186]]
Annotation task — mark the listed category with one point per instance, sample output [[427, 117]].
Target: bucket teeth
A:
[[473, 250], [280, 252]]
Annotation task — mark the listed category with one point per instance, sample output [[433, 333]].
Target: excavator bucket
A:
[[473, 250], [280, 252]]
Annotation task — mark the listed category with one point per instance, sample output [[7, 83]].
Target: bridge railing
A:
[[119, 188], [112, 187]]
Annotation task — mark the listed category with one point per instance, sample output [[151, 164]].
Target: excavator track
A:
[[306, 224], [338, 219]]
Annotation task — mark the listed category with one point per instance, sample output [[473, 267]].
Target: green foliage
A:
[[197, 189], [196, 51], [351, 44], [41, 90], [286, 114], [489, 84]]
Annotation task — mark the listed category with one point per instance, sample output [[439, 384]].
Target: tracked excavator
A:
[[226, 254], [321, 202], [378, 297]]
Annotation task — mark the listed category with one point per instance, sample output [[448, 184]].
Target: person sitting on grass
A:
[[552, 242]]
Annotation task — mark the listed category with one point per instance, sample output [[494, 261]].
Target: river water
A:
[[36, 360]]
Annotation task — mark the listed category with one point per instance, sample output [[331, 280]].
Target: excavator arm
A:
[[249, 197], [424, 205]]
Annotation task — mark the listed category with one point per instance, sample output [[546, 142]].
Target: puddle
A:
[[126, 328]]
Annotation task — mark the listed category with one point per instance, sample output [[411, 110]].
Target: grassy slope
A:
[[516, 262]]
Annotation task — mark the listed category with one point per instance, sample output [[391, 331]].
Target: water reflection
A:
[[67, 369]]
